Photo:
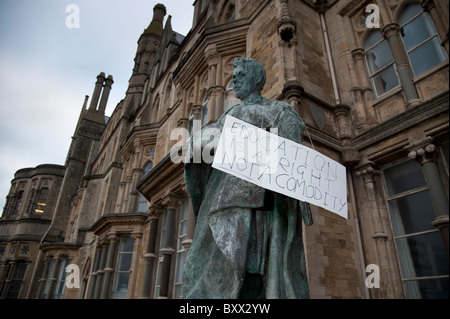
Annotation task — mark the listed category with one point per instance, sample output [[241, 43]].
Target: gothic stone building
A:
[[373, 99]]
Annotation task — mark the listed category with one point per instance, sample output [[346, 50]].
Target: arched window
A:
[[148, 167], [230, 100], [142, 201], [380, 63], [17, 203], [205, 110], [421, 39], [41, 201]]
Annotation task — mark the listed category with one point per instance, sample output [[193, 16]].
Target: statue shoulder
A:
[[282, 108]]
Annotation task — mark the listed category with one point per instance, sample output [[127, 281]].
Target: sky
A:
[[48, 64]]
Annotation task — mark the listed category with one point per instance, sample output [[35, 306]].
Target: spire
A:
[[156, 26]]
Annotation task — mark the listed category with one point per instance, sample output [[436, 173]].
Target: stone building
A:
[[373, 98]]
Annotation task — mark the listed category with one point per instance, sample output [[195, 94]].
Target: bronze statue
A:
[[248, 240]]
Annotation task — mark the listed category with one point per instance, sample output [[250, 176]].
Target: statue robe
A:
[[242, 228]]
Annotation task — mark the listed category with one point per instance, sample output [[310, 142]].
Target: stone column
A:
[[133, 196], [95, 268], [98, 282], [217, 93], [190, 230], [212, 58], [120, 197], [171, 202], [106, 284], [424, 153], [359, 92], [137, 240], [350, 156], [293, 92], [391, 34], [126, 194], [150, 257], [368, 171]]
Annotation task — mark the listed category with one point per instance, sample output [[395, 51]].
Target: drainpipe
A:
[[337, 99]]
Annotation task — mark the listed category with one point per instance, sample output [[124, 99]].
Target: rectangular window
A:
[[18, 203], [61, 279], [421, 252], [48, 281], [380, 63], [181, 252], [161, 257], [41, 204], [16, 280], [123, 266]]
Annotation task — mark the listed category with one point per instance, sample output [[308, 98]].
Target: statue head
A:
[[249, 78]]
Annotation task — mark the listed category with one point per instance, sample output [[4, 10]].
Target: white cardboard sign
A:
[[281, 165]]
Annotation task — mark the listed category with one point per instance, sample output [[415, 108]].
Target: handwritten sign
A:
[[281, 165]]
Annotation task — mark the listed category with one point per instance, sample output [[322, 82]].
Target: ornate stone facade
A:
[[119, 209]]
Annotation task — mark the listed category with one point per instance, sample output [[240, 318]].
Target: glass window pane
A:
[[385, 81], [373, 38], [142, 204], [180, 265], [16, 282], [178, 293], [121, 284], [415, 32], [425, 255], [412, 213], [183, 227], [403, 177], [379, 57], [125, 261], [410, 12], [126, 244], [426, 56], [185, 208], [444, 151], [427, 289], [204, 114]]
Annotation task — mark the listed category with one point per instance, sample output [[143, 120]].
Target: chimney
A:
[[96, 94], [106, 89]]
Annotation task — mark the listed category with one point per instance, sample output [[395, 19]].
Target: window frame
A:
[[415, 280], [181, 250], [378, 72], [116, 294], [420, 44]]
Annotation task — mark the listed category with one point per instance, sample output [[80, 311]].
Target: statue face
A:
[[244, 82]]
